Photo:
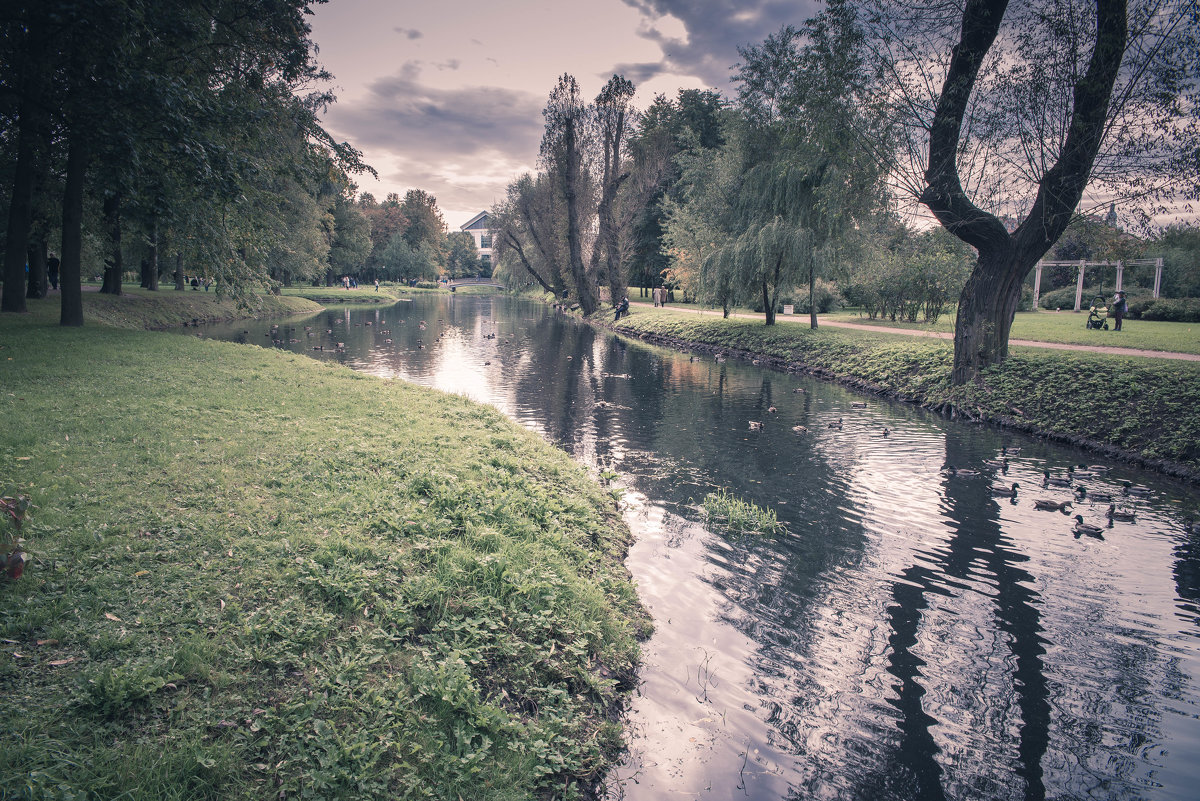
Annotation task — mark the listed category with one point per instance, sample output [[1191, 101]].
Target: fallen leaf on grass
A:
[[141, 573], [47, 642], [111, 616], [61, 662]]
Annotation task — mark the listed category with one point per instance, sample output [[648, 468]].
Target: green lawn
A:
[[1068, 328], [255, 575]]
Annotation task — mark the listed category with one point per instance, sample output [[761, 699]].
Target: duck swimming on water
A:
[[1087, 528]]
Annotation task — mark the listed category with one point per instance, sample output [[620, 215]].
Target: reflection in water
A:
[[911, 636]]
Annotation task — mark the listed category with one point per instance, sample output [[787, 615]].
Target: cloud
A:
[[462, 145], [411, 33], [714, 29]]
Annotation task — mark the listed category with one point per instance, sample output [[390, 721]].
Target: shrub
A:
[[1178, 310]]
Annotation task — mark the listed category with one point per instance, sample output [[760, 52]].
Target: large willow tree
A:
[[1013, 114]]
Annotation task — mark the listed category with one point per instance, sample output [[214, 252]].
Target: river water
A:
[[909, 636]]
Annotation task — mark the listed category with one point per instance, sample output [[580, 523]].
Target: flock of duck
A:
[[1069, 481]]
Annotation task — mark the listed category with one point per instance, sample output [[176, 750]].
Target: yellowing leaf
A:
[[142, 573], [111, 616], [61, 662]]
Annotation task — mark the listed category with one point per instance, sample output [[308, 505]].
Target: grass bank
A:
[[1145, 410], [140, 309], [257, 576], [338, 295]]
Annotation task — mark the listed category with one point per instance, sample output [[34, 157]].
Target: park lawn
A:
[[1144, 408], [256, 575], [1061, 327]]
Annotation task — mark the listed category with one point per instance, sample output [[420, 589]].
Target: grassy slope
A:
[[138, 308], [257, 576], [1143, 408]]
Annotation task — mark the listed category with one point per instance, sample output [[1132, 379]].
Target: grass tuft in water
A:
[[740, 516]]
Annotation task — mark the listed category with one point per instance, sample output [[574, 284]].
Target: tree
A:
[[562, 154], [349, 236], [462, 258], [525, 233], [423, 221], [613, 118], [1025, 109]]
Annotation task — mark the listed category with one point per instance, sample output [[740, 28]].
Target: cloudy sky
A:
[[448, 98]]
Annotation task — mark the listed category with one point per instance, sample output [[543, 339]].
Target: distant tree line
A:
[[182, 140]]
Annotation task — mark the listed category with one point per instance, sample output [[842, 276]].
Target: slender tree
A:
[[562, 154]]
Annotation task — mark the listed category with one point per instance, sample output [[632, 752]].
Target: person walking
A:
[[1119, 307]]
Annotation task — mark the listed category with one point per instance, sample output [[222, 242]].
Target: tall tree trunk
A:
[[583, 279], [768, 304], [179, 282], [113, 265], [812, 291], [20, 214], [72, 230], [38, 282]]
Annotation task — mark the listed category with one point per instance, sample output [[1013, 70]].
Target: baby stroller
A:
[[1098, 314]]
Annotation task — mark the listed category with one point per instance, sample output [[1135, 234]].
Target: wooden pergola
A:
[[1084, 264]]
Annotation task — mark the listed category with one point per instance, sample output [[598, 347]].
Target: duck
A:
[[885, 431], [756, 425], [798, 391], [1055, 481], [1006, 492], [1101, 497], [1114, 513], [1099, 468], [1005, 450], [858, 405], [772, 409], [1051, 506], [960, 471], [1139, 492], [837, 424], [1000, 464], [1087, 528], [800, 429]]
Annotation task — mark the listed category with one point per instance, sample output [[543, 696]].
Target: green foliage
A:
[[738, 515], [1179, 310]]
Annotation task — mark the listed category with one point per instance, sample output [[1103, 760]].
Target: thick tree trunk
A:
[[150, 273], [113, 265], [72, 230], [768, 305], [20, 215], [985, 313], [39, 285], [180, 285]]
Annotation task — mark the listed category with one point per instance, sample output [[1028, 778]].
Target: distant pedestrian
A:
[[1119, 307], [376, 284], [52, 271]]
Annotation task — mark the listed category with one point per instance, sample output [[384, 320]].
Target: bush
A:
[[828, 298], [1177, 310]]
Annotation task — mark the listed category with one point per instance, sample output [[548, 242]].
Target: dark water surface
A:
[[910, 636]]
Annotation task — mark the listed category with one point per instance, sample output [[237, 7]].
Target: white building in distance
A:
[[477, 227]]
